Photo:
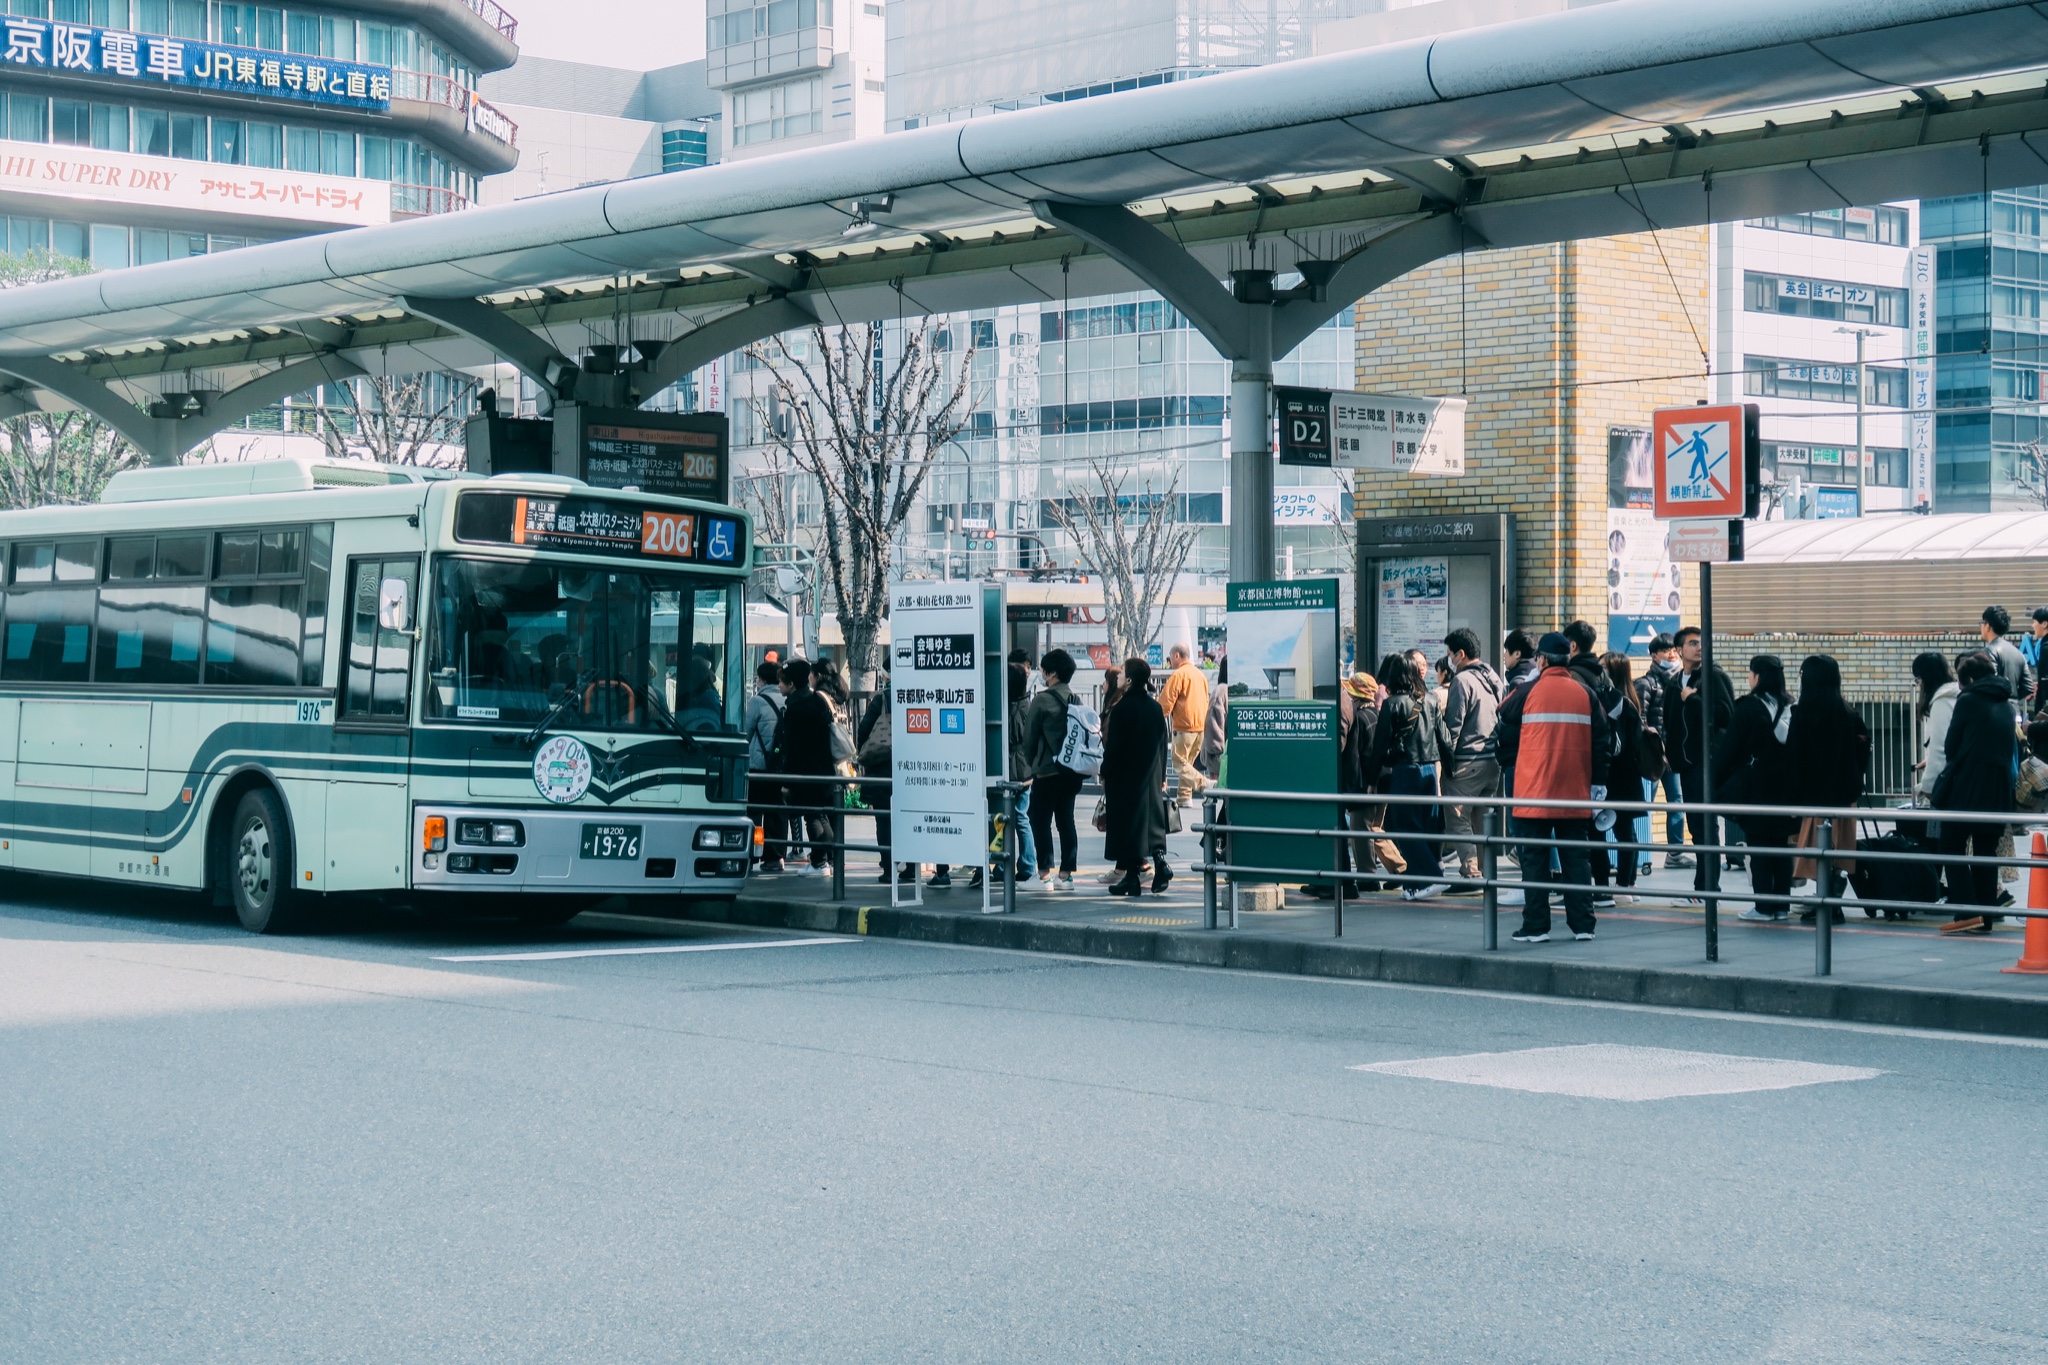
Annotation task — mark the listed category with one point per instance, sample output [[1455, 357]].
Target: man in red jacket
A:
[[1554, 734]]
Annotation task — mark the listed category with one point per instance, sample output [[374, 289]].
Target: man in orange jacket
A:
[[1554, 734], [1185, 699]]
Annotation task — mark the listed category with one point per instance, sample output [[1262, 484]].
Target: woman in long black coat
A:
[[1751, 769], [1827, 749], [1133, 783], [1983, 761]]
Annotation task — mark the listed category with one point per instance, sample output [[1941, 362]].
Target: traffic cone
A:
[[2034, 948]]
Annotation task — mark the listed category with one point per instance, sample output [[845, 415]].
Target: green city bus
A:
[[281, 680]]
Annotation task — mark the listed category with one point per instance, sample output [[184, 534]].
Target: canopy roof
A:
[[1639, 113], [1888, 539]]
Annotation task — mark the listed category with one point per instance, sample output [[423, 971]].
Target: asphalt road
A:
[[221, 1148]]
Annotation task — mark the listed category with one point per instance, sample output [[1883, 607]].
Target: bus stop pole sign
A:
[[937, 714]]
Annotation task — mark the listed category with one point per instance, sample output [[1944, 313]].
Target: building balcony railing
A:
[[416, 200], [478, 113], [495, 17]]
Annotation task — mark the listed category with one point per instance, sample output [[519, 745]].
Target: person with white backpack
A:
[[1062, 745]]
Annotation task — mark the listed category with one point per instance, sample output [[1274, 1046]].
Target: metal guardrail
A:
[[1491, 841], [837, 846], [1893, 719]]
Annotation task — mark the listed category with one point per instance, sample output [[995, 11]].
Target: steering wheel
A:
[[632, 701]]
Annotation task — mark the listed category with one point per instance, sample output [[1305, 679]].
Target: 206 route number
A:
[[668, 533], [611, 841]]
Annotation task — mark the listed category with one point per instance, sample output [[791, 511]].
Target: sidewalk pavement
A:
[[1649, 950]]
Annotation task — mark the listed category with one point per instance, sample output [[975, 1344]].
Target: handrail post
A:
[[1208, 862], [1337, 888], [1824, 916], [838, 818], [1010, 841], [1489, 872]]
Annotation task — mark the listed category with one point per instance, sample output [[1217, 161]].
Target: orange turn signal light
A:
[[434, 833]]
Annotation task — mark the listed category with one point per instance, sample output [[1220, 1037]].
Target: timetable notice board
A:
[[1282, 746]]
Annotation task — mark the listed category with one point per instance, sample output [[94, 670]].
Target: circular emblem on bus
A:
[[562, 769]]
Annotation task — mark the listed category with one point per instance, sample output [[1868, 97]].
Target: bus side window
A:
[[377, 668]]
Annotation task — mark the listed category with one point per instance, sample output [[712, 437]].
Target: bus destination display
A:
[[675, 455], [597, 526]]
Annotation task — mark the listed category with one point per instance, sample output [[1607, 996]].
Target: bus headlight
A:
[[707, 838], [714, 837]]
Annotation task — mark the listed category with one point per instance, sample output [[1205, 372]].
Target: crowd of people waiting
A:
[[1568, 724], [801, 735], [1565, 724]]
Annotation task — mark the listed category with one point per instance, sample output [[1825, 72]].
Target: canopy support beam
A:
[[1251, 323], [166, 439]]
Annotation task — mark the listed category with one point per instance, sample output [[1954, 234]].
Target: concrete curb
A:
[[1906, 1006]]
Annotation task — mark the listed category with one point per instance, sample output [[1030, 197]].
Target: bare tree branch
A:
[[867, 428], [55, 457], [390, 419], [1137, 549]]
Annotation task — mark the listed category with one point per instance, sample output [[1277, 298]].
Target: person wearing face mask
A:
[[1686, 696], [1650, 699]]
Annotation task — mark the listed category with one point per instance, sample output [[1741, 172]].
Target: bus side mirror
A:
[[394, 604]]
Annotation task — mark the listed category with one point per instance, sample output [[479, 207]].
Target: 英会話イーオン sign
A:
[[1702, 460]]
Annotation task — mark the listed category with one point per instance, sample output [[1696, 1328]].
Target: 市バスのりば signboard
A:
[[936, 711], [1704, 461]]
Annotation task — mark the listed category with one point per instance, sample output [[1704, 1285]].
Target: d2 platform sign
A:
[[1704, 461], [1304, 426]]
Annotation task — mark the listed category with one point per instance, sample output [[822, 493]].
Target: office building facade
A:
[[1990, 266], [141, 130]]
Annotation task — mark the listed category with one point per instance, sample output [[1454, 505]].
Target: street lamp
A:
[[1862, 454]]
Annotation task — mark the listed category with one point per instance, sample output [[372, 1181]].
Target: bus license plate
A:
[[611, 841]]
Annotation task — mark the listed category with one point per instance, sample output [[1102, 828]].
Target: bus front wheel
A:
[[259, 865]]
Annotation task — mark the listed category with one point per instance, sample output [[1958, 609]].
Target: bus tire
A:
[[259, 865]]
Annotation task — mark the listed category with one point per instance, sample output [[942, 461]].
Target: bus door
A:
[[368, 807]]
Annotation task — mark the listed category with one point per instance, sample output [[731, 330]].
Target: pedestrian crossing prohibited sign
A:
[[1704, 461]]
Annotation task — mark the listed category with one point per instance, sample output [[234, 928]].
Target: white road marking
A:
[[1611, 1071], [638, 952]]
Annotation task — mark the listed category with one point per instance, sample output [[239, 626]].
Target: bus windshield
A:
[[510, 641]]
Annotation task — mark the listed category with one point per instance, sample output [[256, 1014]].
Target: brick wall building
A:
[[1553, 346]]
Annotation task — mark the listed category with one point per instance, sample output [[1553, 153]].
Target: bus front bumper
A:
[[577, 851]]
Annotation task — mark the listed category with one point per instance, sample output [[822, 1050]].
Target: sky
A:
[[638, 34]]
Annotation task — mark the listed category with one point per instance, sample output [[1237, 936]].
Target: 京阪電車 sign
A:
[[32, 44]]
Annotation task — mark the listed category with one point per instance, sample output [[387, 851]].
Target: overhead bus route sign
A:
[[1704, 461]]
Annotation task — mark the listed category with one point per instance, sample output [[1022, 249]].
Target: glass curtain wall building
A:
[[1061, 387], [1991, 267]]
